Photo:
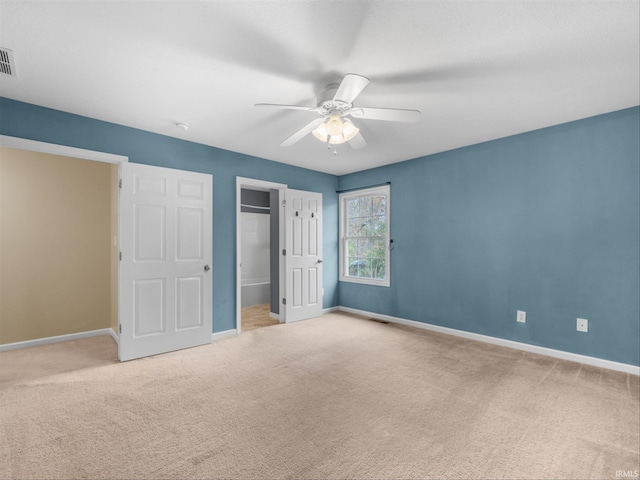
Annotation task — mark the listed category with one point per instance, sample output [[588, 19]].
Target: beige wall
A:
[[56, 245]]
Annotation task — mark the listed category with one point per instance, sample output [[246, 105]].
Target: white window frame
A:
[[343, 198]]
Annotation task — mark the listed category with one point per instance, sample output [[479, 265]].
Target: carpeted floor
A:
[[333, 397]]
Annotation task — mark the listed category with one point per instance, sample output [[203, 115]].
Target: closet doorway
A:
[[259, 278], [59, 261]]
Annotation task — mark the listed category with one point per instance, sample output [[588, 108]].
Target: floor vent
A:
[[384, 322], [6, 62]]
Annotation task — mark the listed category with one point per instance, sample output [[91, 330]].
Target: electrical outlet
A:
[[521, 317], [582, 325]]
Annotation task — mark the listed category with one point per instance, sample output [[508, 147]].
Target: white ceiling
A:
[[477, 70]]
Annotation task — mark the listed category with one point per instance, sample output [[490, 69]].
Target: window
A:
[[364, 235]]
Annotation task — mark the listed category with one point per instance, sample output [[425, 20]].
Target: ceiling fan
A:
[[335, 104]]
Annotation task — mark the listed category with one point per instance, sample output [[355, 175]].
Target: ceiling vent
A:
[[6, 62]]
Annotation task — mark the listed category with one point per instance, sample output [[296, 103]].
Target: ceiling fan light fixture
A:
[[321, 132], [349, 130], [334, 125], [336, 139]]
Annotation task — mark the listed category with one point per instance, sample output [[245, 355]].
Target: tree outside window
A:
[[365, 236]]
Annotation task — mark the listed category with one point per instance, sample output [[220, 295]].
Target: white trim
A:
[[58, 338], [222, 335], [114, 335], [342, 198], [275, 316], [253, 184], [549, 352], [63, 150], [330, 310]]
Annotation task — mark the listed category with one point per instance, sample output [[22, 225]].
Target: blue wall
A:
[[545, 222], [37, 123]]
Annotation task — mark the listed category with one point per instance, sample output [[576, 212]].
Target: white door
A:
[[303, 256], [166, 247]]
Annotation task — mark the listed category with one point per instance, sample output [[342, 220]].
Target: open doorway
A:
[[60, 232], [259, 274], [259, 279]]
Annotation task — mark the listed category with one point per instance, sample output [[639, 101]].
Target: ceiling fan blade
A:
[[357, 142], [287, 107], [350, 87], [387, 114], [302, 132]]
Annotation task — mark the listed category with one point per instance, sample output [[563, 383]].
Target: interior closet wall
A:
[[56, 245], [255, 244], [274, 217]]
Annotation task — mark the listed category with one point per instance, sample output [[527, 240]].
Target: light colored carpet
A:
[[257, 316], [334, 397]]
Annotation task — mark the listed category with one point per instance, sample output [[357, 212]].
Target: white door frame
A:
[[62, 150], [261, 185]]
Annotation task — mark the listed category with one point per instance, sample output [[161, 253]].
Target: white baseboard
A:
[[225, 334], [275, 316], [58, 338], [114, 335], [330, 310], [549, 352]]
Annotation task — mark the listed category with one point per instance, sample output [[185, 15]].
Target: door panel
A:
[[190, 225], [149, 299], [296, 288], [313, 237], [166, 241], [150, 184], [296, 246], [312, 280], [303, 260], [150, 232], [189, 298], [191, 190]]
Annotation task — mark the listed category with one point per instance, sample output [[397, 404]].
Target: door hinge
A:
[[120, 328], [284, 301], [120, 256], [284, 203], [284, 251], [120, 183]]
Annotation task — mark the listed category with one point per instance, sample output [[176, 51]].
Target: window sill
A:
[[365, 281]]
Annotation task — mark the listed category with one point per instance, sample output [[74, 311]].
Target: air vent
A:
[[6, 62], [384, 322]]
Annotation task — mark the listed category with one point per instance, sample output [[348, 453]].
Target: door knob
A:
[[319, 261], [207, 268]]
